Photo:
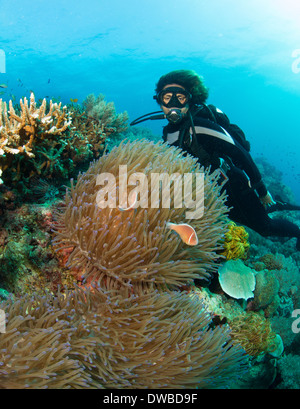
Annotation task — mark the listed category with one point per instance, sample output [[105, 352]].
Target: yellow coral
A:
[[236, 243]]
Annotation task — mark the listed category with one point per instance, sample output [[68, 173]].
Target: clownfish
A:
[[186, 232]]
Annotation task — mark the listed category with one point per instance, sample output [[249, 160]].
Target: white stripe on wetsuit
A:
[[207, 131], [172, 137]]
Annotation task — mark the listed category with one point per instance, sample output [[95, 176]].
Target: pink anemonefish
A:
[[186, 232]]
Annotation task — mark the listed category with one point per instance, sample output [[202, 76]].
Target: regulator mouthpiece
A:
[[174, 115]]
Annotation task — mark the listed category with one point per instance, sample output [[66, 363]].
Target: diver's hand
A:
[[267, 200]]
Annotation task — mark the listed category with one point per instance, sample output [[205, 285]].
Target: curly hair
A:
[[188, 79]]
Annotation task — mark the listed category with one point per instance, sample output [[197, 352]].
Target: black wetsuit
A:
[[244, 185]]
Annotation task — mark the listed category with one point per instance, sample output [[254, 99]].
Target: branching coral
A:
[[253, 332], [136, 246], [22, 134], [236, 279], [96, 339], [236, 243], [33, 123], [40, 141]]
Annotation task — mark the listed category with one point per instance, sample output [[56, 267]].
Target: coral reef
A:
[[266, 296], [271, 262], [254, 333], [22, 134], [277, 285], [28, 262], [50, 141], [277, 296], [289, 367], [129, 325], [96, 125], [273, 179], [140, 323], [96, 339]]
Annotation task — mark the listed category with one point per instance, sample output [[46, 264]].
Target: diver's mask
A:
[[174, 102]]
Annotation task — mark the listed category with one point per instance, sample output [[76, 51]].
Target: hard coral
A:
[[131, 327], [21, 134], [98, 123], [236, 279], [38, 141]]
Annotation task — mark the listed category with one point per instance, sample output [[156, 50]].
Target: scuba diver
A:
[[205, 132]]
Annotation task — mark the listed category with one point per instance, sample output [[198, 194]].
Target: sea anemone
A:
[[131, 245], [90, 338]]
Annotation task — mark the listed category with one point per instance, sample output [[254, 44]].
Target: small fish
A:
[[49, 81], [74, 100], [3, 86], [3, 92], [186, 232]]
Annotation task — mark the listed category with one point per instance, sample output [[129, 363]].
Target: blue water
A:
[[247, 53]]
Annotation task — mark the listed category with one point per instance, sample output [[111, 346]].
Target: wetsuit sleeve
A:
[[241, 158], [233, 129], [217, 139]]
